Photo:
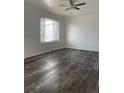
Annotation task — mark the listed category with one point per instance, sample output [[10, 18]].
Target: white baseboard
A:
[[43, 52], [83, 49]]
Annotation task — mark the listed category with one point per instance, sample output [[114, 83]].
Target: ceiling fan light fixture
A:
[[73, 5]]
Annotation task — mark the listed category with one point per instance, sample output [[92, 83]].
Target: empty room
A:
[[61, 46]]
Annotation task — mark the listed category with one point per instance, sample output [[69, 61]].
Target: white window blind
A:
[[49, 30]]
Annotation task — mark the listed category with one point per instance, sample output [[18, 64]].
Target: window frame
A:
[[42, 37]]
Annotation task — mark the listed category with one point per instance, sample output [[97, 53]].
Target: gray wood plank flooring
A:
[[63, 71]]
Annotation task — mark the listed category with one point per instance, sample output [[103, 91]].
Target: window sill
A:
[[50, 42]]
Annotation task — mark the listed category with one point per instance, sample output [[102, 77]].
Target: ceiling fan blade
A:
[[64, 5], [67, 9], [77, 8], [80, 4]]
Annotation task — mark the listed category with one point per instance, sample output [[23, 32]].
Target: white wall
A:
[[32, 31], [82, 32]]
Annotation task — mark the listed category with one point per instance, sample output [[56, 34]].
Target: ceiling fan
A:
[[72, 5]]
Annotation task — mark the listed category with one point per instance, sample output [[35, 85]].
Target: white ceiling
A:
[[52, 6]]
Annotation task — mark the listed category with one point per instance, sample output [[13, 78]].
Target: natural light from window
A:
[[49, 30]]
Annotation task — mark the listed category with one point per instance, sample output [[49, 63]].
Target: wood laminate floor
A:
[[63, 71]]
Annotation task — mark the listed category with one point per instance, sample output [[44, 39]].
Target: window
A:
[[49, 30]]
